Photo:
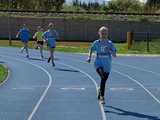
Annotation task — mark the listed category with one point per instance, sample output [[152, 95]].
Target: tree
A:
[[76, 3], [32, 4], [50, 4], [152, 5], [153, 2], [59, 4], [124, 6]]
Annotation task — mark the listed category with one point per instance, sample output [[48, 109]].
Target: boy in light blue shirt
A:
[[24, 35], [50, 36], [104, 49]]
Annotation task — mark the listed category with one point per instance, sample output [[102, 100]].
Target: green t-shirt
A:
[[39, 36]]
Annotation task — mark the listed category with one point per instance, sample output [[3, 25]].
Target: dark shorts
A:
[[24, 41], [52, 46], [40, 42]]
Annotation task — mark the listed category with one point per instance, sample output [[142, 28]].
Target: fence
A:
[[146, 42], [74, 26]]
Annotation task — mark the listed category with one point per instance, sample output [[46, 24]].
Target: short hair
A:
[[103, 28], [50, 25], [39, 27], [24, 25]]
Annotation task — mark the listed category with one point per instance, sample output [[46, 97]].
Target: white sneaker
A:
[[27, 56], [102, 101]]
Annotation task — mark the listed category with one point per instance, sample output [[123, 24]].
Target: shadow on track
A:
[[119, 111], [39, 59], [2, 62], [66, 70]]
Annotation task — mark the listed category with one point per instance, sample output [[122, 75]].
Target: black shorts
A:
[[40, 42]]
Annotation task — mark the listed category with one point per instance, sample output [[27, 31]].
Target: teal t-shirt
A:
[[24, 34], [50, 36], [104, 50]]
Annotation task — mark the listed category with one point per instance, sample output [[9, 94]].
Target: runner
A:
[[104, 49], [50, 36], [24, 35], [39, 36]]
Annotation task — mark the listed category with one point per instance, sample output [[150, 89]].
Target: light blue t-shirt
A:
[[50, 36], [24, 34], [104, 50]]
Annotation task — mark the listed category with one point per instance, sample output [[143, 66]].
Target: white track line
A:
[[141, 85], [46, 90], [37, 105], [96, 85], [138, 68]]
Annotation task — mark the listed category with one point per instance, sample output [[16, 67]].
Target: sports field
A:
[[37, 91]]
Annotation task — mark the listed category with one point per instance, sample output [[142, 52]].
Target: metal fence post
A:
[[9, 25], [129, 39], [148, 41]]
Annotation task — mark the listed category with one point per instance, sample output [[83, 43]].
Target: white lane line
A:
[[150, 93], [138, 68], [46, 90], [72, 88], [140, 84], [130, 66], [23, 88], [121, 89], [96, 85]]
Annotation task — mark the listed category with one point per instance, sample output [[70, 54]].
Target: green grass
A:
[[83, 16], [3, 73], [141, 47], [83, 47]]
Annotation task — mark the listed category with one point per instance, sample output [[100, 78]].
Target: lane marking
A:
[[140, 84], [121, 89], [45, 91], [96, 85], [72, 88], [127, 77], [23, 88], [141, 69]]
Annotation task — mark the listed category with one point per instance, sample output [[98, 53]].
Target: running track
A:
[[37, 91]]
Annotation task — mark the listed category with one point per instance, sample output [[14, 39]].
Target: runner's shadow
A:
[[66, 70], [119, 111], [36, 59], [54, 58]]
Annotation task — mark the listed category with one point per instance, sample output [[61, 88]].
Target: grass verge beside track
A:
[[3, 73], [83, 47], [76, 47]]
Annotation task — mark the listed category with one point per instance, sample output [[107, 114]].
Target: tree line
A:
[[58, 5], [32, 4]]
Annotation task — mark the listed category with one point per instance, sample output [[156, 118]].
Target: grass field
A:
[[80, 47], [83, 47], [141, 47], [3, 73]]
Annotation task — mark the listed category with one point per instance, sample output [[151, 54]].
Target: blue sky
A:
[[100, 1]]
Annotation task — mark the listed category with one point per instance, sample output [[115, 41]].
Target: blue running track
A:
[[37, 91]]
